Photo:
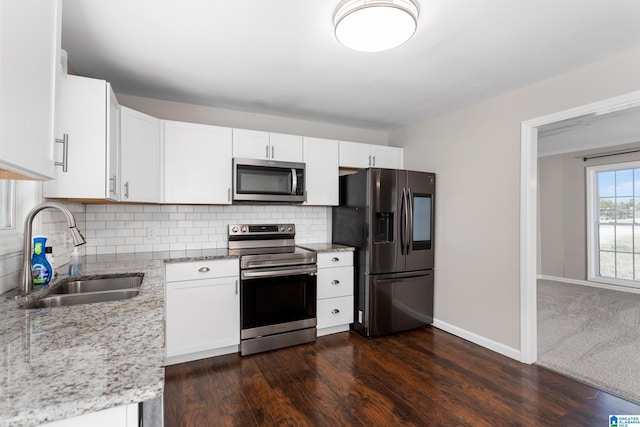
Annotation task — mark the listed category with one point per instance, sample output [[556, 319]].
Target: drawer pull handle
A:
[[335, 282], [204, 269], [335, 259], [335, 311]]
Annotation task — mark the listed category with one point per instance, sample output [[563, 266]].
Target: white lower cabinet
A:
[[120, 416], [202, 309], [335, 292]]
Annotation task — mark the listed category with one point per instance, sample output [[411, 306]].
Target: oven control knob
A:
[[244, 229], [234, 229], [282, 228], [289, 228]]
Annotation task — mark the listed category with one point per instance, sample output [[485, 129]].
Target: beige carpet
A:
[[591, 334]]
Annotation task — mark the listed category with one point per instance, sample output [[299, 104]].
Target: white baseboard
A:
[[477, 339], [201, 355], [591, 284], [332, 330]]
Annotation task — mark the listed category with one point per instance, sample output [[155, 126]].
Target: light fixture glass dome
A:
[[375, 25]]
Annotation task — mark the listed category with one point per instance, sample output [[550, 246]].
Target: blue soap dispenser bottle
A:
[[39, 263]]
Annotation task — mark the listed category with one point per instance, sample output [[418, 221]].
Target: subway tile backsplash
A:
[[126, 228], [120, 228]]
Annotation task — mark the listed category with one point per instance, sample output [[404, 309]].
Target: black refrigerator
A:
[[388, 216]]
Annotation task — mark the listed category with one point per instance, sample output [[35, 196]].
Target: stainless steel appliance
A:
[[268, 181], [277, 287], [388, 215]]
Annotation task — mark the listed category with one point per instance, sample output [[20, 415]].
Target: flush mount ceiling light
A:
[[375, 25]]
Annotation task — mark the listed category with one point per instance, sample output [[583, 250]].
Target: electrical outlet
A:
[[151, 233]]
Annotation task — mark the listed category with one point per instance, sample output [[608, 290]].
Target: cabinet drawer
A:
[[335, 311], [194, 270], [335, 282], [335, 259]]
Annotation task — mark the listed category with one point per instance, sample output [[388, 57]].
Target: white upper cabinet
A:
[[287, 148], [252, 144], [197, 163], [357, 155], [140, 146], [383, 156], [87, 115], [29, 55], [321, 158]]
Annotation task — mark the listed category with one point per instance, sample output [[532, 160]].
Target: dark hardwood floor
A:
[[425, 377]]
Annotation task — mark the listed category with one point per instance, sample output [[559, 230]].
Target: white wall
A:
[[242, 120], [475, 153]]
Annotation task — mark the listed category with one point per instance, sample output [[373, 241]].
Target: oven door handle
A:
[[309, 270]]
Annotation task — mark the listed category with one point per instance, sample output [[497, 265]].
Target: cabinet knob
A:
[[204, 269], [335, 311], [335, 282], [335, 259]]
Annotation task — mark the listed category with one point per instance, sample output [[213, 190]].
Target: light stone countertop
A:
[[56, 363], [326, 247]]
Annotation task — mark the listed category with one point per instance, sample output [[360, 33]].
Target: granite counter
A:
[[56, 363]]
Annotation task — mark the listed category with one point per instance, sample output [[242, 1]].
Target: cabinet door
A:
[[335, 311], [113, 145], [251, 144], [139, 156], [197, 163], [81, 113], [286, 148], [386, 157], [202, 315], [29, 46], [321, 158], [354, 155], [335, 282]]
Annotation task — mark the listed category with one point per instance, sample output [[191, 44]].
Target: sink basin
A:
[[98, 285], [61, 300], [88, 291]]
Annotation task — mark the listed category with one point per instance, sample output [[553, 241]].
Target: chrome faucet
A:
[[26, 279]]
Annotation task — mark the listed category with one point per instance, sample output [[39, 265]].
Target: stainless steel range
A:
[[277, 287]]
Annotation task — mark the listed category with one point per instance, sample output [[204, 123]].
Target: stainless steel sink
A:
[[98, 285], [60, 300], [91, 290]]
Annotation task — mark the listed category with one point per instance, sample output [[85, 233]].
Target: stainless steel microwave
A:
[[268, 181]]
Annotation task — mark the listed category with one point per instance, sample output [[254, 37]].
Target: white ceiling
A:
[[590, 132], [280, 56]]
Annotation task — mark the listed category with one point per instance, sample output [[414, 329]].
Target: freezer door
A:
[[420, 201], [399, 302]]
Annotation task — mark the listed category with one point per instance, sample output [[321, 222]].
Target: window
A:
[[613, 219], [16, 198], [7, 204]]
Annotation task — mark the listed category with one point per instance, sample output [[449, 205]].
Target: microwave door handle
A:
[[294, 182]]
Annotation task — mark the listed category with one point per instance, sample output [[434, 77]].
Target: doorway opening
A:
[[529, 204]]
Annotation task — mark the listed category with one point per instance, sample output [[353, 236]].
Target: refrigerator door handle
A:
[[405, 194], [402, 221], [410, 215]]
